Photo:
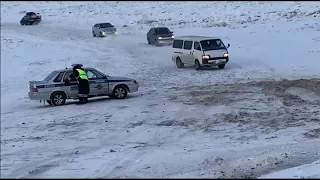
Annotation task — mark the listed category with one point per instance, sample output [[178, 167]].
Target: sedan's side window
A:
[[66, 76], [93, 74], [59, 77]]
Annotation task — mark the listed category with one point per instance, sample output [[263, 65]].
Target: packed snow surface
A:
[[257, 116]]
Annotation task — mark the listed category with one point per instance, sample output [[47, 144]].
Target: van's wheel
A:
[[179, 63], [120, 92], [93, 34], [58, 98], [197, 65], [49, 102], [221, 66]]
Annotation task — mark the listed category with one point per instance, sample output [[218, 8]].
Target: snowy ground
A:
[[182, 123]]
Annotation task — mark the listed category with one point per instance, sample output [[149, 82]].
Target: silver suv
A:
[[103, 29]]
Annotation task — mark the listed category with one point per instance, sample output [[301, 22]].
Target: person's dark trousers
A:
[[83, 90]]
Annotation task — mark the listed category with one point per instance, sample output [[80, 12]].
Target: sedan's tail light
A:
[[34, 89]]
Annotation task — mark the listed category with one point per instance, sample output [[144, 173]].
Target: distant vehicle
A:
[[199, 51], [31, 18], [160, 35], [54, 90], [103, 29]]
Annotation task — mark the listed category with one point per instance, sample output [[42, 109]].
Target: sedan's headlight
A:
[[103, 33], [225, 55], [172, 36], [116, 32], [159, 37], [206, 57]]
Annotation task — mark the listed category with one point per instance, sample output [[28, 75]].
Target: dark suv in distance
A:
[[160, 35]]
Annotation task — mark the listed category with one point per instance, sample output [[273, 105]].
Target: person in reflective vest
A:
[[81, 76]]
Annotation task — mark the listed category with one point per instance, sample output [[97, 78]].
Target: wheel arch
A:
[[121, 85], [59, 91]]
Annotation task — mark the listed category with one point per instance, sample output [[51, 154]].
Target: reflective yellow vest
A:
[[82, 74]]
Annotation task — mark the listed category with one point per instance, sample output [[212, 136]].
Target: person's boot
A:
[[85, 100], [80, 101]]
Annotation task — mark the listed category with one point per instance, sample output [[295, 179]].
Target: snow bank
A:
[[304, 171]]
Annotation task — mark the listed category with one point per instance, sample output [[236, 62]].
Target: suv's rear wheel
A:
[[58, 98], [120, 92], [197, 65], [148, 41], [179, 63]]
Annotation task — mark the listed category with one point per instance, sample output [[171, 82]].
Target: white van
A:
[[199, 51]]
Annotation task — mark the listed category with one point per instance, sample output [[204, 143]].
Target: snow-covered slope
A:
[[165, 130], [305, 171]]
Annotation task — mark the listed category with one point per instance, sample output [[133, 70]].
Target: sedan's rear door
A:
[[72, 87]]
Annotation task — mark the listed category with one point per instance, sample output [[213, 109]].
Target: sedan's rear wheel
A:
[[120, 92], [93, 34], [58, 98]]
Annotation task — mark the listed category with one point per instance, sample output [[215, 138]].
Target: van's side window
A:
[[187, 45], [196, 46], [177, 44]]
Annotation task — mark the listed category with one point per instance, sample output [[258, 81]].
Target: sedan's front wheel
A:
[[120, 92]]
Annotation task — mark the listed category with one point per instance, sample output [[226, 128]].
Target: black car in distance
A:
[[31, 18], [160, 35]]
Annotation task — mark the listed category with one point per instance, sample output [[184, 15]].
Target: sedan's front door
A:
[[98, 84]]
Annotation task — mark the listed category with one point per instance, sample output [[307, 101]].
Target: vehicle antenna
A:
[[65, 63]]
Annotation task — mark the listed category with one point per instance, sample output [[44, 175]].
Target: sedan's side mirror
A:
[[228, 45]]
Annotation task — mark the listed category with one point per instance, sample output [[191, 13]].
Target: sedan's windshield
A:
[[106, 25], [212, 44], [162, 31]]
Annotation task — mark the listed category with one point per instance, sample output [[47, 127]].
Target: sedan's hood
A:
[[118, 78], [165, 35], [108, 29]]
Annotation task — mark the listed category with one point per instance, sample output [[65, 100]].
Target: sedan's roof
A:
[[159, 28], [70, 69]]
